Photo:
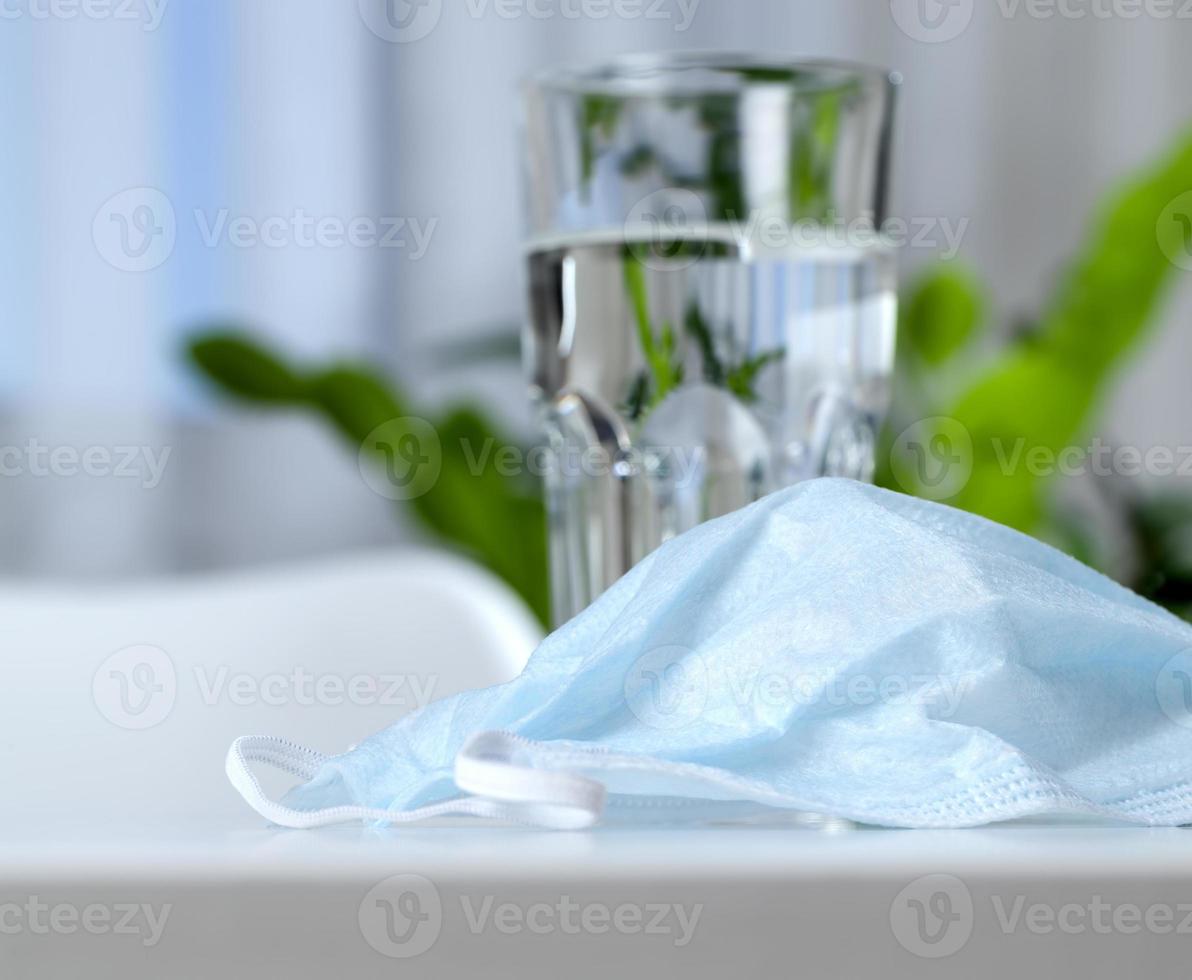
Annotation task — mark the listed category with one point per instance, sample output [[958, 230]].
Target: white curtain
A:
[[267, 108]]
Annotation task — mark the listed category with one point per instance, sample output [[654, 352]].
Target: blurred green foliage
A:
[[940, 316], [495, 518], [663, 372], [1041, 390], [814, 135], [664, 367]]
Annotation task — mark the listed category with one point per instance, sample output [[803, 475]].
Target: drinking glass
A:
[[712, 304]]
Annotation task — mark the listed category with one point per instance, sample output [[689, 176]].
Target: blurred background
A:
[[294, 168]]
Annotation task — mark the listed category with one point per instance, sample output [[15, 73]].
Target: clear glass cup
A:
[[712, 305]]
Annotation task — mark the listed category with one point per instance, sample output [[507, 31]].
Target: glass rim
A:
[[650, 75]]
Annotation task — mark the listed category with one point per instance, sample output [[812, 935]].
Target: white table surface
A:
[[251, 901], [125, 854]]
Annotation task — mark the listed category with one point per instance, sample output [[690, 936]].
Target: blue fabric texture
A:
[[842, 650]]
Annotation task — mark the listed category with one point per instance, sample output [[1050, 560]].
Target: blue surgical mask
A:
[[833, 650]]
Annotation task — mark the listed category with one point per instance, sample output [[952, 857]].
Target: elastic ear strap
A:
[[305, 763], [505, 790], [490, 765]]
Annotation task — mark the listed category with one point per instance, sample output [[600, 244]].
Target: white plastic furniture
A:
[[125, 854]]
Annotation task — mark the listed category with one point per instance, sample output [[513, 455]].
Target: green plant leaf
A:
[[665, 372], [742, 379], [813, 157], [942, 313], [701, 333], [486, 502], [1161, 536], [1043, 392], [719, 117], [245, 369], [599, 115], [483, 502], [498, 346], [356, 400], [638, 161]]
